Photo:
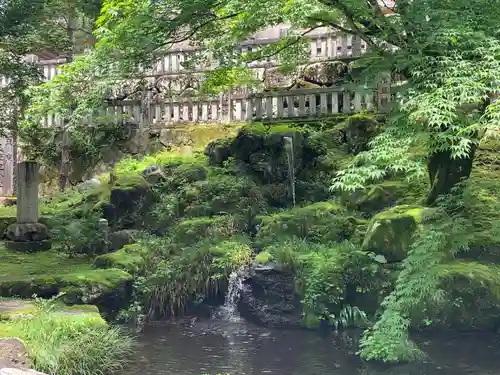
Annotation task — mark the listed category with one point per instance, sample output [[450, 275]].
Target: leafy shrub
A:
[[78, 234], [326, 276], [445, 232]]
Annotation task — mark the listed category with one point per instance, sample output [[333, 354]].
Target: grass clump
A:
[[72, 344], [163, 159], [175, 279]]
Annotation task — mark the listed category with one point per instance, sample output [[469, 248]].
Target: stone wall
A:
[[189, 137], [183, 138]]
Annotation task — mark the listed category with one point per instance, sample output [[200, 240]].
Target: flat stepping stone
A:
[[16, 371]]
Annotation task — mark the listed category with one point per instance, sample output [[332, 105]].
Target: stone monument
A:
[[27, 234]]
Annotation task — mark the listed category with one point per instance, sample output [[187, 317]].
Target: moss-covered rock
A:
[[359, 130], [218, 151], [390, 232], [483, 201], [130, 197], [375, 197], [321, 221], [120, 238], [263, 257], [129, 258], [321, 142], [262, 148], [50, 273]]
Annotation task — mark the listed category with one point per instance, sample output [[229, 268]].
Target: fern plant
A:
[[444, 232]]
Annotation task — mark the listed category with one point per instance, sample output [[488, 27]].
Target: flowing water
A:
[[235, 284], [291, 165], [227, 344]]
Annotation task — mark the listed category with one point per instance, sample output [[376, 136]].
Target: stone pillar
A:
[[27, 234], [103, 226], [28, 181]]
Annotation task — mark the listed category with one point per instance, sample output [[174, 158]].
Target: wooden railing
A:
[[268, 106]]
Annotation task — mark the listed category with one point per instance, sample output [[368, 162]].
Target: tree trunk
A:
[[65, 165], [445, 172], [64, 168]]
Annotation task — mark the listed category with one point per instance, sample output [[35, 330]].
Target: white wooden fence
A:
[[268, 106], [323, 47]]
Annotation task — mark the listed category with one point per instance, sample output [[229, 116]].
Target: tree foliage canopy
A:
[[447, 66]]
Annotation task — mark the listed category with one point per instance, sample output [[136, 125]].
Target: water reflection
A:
[[239, 348]]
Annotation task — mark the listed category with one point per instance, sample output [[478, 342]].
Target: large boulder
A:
[[263, 149], [269, 298], [130, 197], [13, 354], [218, 151], [390, 232], [153, 174], [359, 130], [120, 238]]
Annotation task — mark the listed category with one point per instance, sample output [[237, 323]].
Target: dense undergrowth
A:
[[376, 255]]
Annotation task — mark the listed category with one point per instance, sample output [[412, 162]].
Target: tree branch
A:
[[288, 45]]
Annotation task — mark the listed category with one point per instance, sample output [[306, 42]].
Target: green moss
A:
[[320, 143], [483, 200], [390, 232], [50, 272], [377, 197], [321, 221], [129, 181], [193, 230], [7, 211], [129, 258], [190, 231], [7, 330], [222, 194], [263, 257], [15, 308]]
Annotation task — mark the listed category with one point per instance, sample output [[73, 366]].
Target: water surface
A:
[[239, 348]]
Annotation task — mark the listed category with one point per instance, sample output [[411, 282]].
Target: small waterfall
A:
[[235, 285], [291, 165]]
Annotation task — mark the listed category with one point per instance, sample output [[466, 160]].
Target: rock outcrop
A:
[[269, 298]]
